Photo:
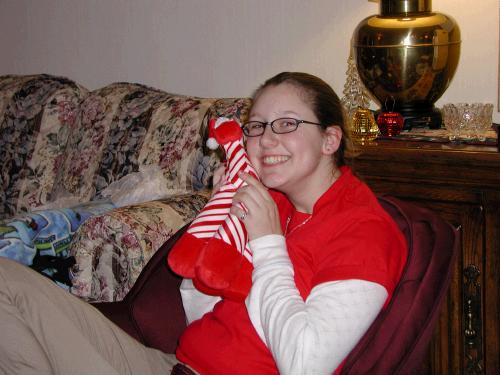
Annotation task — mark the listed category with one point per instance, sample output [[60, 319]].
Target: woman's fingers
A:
[[252, 196], [256, 208], [253, 182], [239, 212]]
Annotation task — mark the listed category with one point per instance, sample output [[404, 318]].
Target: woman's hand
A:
[[262, 217]]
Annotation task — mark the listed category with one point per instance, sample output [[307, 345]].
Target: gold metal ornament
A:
[[363, 126], [410, 53]]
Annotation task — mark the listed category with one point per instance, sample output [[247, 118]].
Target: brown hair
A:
[[324, 103]]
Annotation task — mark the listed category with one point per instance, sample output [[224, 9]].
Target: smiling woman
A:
[[310, 222]]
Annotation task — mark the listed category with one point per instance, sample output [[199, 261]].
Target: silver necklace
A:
[[336, 175]]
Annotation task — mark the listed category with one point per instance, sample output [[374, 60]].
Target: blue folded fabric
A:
[[46, 232]]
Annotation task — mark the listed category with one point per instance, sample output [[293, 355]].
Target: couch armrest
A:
[[112, 249]]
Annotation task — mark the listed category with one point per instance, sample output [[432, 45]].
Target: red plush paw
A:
[[206, 289], [184, 255], [221, 267], [217, 264], [239, 287]]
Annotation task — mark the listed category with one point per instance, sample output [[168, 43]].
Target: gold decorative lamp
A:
[[408, 54]]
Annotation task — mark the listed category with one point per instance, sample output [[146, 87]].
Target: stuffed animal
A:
[[214, 250]]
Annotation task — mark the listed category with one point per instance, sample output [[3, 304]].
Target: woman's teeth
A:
[[275, 159]]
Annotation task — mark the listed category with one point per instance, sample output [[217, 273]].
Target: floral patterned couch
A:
[[62, 145]]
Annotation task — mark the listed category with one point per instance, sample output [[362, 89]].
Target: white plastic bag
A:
[[146, 185]]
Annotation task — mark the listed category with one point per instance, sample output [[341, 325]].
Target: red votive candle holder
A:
[[390, 124]]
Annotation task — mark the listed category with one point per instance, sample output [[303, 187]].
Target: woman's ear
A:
[[332, 138]]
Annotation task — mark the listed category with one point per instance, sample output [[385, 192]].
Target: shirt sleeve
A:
[[196, 304], [364, 247], [312, 336]]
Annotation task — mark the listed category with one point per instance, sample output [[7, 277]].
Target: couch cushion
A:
[[36, 115]]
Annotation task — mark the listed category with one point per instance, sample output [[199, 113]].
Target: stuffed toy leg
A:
[[214, 250]]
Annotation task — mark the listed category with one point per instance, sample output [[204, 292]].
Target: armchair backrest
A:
[[396, 342], [156, 305]]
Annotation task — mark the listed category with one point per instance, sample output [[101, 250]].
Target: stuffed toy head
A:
[[223, 131]]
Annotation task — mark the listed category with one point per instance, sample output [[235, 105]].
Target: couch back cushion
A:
[[37, 113], [123, 126], [111, 129]]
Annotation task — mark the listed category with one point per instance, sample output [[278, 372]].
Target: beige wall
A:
[[219, 47]]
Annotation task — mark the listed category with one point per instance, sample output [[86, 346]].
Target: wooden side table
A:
[[461, 183]]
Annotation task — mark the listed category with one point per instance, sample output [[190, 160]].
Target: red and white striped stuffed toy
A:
[[214, 250]]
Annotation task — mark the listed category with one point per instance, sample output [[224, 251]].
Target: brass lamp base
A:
[[407, 56]]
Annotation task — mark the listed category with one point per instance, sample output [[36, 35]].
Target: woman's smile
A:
[[274, 159]]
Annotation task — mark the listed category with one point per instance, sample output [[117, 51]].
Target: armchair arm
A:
[[112, 249]]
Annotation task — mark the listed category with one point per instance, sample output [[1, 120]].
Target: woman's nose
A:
[[269, 138]]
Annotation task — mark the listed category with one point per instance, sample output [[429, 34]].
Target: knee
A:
[[10, 268]]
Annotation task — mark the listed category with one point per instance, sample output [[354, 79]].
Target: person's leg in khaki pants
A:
[[46, 330]]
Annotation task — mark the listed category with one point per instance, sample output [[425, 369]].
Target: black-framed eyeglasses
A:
[[278, 126]]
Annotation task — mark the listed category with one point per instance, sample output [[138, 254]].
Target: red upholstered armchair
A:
[[395, 343]]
